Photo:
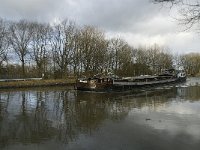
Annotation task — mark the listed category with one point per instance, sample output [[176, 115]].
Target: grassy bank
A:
[[36, 83]]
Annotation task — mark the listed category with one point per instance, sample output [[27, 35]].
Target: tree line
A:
[[68, 50]]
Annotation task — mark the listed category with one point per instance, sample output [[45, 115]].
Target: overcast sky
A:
[[139, 22]]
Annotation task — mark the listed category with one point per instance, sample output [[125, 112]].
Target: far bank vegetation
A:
[[31, 49]]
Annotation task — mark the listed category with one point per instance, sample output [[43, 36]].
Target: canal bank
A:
[[26, 83]]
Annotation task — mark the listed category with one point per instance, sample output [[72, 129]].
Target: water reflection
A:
[[64, 118]]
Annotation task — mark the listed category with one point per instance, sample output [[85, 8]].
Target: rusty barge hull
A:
[[124, 85]]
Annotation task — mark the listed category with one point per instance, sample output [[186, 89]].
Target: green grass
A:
[[36, 83]]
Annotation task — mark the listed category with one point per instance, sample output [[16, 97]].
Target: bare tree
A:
[[151, 60], [39, 46], [3, 42], [159, 58], [93, 48], [189, 11], [76, 52], [20, 38], [191, 63], [62, 46], [142, 61], [120, 55]]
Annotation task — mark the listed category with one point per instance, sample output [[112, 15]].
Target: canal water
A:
[[162, 118]]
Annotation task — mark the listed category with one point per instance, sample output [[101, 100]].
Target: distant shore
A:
[[36, 83], [14, 84]]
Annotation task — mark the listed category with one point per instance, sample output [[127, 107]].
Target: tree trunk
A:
[[23, 69]]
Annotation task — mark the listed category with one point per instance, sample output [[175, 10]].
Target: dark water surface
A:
[[166, 118]]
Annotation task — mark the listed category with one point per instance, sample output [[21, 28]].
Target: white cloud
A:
[[40, 10], [138, 22]]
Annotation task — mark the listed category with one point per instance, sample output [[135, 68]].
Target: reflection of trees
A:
[[102, 106], [151, 99], [67, 123], [27, 125], [4, 102], [156, 98], [64, 115], [41, 128], [190, 93], [85, 113]]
